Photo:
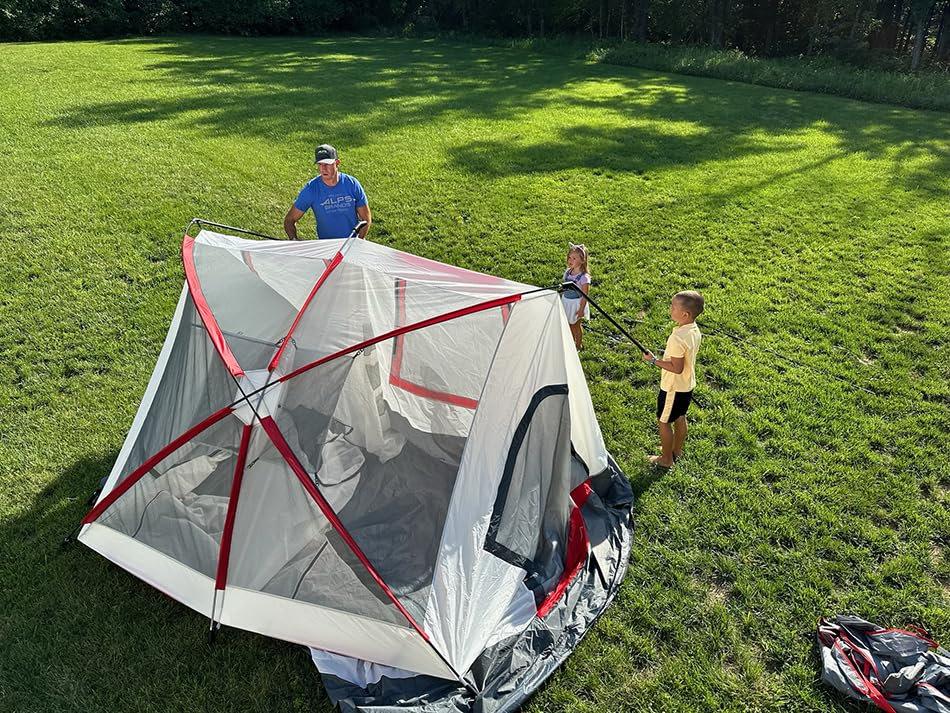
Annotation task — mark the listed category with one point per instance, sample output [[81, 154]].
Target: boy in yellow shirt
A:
[[679, 375]]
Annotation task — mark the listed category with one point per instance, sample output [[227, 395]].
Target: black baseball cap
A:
[[325, 154]]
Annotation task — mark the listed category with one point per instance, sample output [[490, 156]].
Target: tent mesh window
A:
[[386, 459], [283, 545], [179, 506], [194, 385], [528, 526]]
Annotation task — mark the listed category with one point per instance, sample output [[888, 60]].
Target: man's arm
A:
[[290, 222], [364, 213]]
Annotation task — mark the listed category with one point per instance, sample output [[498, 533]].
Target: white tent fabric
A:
[[354, 448]]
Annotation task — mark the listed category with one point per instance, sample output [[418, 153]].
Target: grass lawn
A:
[[815, 226]]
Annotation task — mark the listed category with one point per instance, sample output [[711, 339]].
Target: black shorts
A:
[[670, 406]]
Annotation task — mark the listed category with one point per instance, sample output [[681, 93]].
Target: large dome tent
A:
[[390, 460]]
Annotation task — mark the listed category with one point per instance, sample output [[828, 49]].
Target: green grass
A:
[[814, 225], [928, 88]]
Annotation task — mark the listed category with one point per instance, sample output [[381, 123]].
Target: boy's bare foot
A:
[[659, 462]]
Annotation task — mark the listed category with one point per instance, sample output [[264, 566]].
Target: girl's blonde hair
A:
[[580, 250]]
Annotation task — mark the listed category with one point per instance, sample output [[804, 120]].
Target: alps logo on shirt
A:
[[335, 203]]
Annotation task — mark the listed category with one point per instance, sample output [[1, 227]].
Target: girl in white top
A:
[[575, 305]]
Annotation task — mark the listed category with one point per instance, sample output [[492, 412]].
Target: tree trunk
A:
[[923, 17], [813, 35], [903, 34], [857, 20], [943, 33], [889, 12], [641, 19], [717, 21], [919, 37]]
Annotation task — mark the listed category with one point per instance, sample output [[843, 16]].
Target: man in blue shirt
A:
[[337, 199]]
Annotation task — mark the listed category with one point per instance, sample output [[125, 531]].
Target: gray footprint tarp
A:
[[898, 671]]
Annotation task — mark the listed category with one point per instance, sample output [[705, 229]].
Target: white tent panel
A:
[[586, 436], [165, 573], [362, 673], [461, 615], [332, 630], [282, 249], [290, 268], [295, 621], [422, 271]]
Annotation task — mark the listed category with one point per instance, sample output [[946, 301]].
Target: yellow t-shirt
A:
[[683, 342]]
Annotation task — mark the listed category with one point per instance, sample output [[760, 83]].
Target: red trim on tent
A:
[[337, 259], [578, 544], [442, 272], [135, 475], [870, 690], [865, 654], [403, 330], [580, 494], [395, 376], [277, 438], [246, 256], [453, 399], [204, 310], [916, 634], [224, 554]]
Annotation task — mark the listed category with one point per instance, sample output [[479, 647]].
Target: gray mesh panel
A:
[[283, 545], [389, 482], [179, 506], [195, 384]]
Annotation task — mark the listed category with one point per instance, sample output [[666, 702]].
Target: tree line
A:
[[879, 33]]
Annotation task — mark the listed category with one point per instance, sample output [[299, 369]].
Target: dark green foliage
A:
[[886, 34], [80, 19]]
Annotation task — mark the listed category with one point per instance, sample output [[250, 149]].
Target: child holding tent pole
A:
[[575, 304], [679, 375]]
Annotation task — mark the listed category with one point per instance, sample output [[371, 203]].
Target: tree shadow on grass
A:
[[705, 122], [84, 635], [357, 89]]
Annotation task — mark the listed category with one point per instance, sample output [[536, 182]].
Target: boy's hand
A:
[[648, 356]]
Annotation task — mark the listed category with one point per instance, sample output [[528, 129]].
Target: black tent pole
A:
[[566, 286]]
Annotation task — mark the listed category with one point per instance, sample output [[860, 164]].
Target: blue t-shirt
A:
[[333, 207]]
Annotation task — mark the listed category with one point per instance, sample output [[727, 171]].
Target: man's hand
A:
[[649, 356], [364, 213]]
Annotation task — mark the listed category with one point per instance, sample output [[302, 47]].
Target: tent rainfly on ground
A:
[[387, 459]]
